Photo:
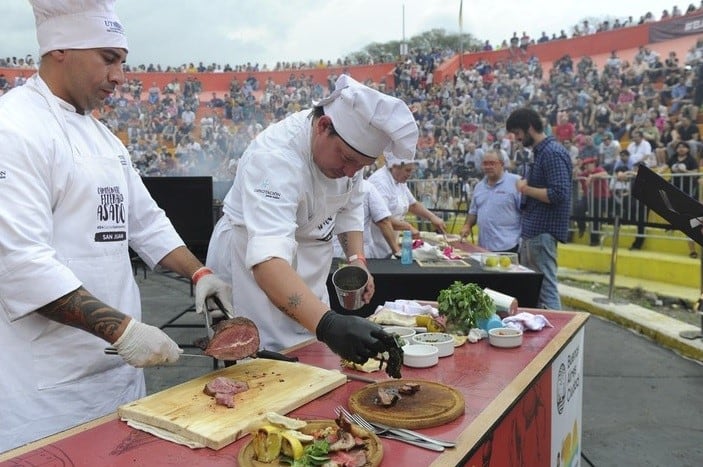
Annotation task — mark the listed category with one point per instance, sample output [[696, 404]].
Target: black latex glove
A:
[[352, 337]]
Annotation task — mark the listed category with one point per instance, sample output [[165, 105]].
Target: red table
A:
[[514, 400]]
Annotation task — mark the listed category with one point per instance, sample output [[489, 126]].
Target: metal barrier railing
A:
[[591, 204]]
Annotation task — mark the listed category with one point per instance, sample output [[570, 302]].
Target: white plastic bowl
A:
[[444, 342], [420, 355], [505, 337], [400, 331]]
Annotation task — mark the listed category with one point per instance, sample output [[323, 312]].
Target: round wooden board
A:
[[433, 405], [374, 448]]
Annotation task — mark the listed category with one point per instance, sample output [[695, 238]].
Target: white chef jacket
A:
[[398, 198], [375, 210], [282, 206], [70, 202]]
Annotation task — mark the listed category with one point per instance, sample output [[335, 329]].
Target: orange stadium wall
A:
[[219, 82]]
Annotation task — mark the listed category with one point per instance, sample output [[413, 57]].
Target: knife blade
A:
[[268, 354], [415, 442], [113, 351]]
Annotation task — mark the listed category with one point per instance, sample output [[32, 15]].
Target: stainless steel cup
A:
[[349, 283]]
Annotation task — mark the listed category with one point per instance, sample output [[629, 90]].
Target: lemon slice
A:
[[285, 422], [291, 445], [459, 340], [267, 443]]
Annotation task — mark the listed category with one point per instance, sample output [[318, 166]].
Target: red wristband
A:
[[361, 258], [197, 275]]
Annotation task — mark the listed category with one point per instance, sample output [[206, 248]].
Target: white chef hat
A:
[[370, 121], [393, 161], [77, 24]]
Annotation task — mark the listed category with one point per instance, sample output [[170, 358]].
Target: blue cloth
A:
[[540, 254], [552, 170], [498, 214]]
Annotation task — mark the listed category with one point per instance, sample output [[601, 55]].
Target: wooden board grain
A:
[[273, 386], [433, 405]]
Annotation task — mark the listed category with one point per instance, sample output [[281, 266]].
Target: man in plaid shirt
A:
[[546, 191]]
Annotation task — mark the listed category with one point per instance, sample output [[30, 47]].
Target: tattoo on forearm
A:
[[82, 310], [294, 302], [343, 241]]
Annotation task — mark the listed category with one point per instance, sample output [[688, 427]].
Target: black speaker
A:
[[188, 203]]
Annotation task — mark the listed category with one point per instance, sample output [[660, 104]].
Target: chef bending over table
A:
[[297, 185], [70, 206]]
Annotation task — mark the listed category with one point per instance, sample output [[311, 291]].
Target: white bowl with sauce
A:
[[444, 342], [505, 337]]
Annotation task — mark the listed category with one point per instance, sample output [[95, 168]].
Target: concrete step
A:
[[647, 266]]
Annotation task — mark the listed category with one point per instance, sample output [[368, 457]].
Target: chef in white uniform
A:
[[70, 205], [390, 181], [377, 222], [296, 186]]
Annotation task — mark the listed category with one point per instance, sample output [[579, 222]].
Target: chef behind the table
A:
[[297, 185], [70, 205]]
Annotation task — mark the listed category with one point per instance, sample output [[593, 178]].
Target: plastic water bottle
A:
[[406, 248]]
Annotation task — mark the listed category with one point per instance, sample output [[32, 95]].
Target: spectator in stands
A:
[[274, 240], [495, 207], [595, 196], [68, 209], [688, 131], [639, 149], [564, 129], [679, 96], [546, 190], [572, 149], [589, 148], [608, 152], [683, 166], [618, 121]]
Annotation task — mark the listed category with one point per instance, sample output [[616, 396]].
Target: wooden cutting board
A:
[[433, 405], [276, 386]]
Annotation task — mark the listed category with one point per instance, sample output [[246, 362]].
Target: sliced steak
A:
[[234, 339], [386, 397], [409, 388], [224, 385], [223, 390], [225, 399]]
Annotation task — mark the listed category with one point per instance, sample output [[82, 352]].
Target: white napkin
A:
[[526, 321], [411, 308], [476, 335], [426, 251], [164, 434]]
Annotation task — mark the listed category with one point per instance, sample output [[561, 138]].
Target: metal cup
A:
[[349, 283]]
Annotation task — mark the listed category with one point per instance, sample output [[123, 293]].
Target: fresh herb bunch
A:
[[465, 305]]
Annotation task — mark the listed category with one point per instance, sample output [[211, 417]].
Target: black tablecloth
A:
[[412, 282]]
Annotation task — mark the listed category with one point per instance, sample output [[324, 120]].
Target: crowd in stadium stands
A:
[[179, 130]]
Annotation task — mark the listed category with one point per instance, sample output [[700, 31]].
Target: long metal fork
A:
[[385, 433]]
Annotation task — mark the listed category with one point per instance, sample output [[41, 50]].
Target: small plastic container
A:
[[505, 337], [420, 355], [499, 261]]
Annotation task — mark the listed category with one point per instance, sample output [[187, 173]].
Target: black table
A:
[[397, 281]]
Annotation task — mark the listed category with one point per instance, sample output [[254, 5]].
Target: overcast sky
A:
[[172, 32]]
